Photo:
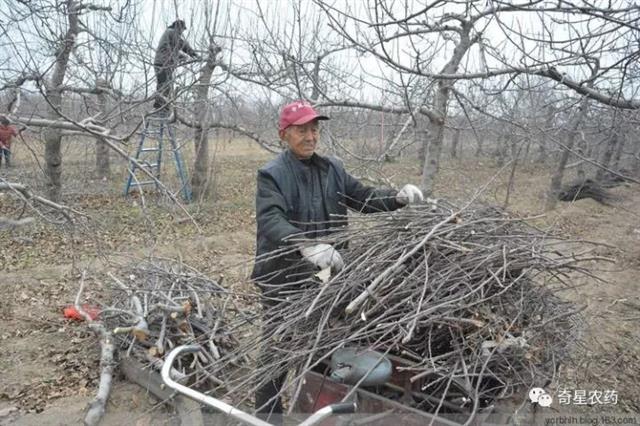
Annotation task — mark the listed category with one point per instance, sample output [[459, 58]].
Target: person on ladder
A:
[[172, 49]]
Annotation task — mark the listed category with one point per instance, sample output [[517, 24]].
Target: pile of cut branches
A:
[[466, 296], [587, 189], [158, 305]]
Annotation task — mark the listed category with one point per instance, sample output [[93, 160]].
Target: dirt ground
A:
[[49, 364]]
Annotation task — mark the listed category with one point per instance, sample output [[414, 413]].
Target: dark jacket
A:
[[170, 49], [281, 207]]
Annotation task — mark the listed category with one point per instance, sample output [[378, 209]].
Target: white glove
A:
[[409, 194], [323, 256]]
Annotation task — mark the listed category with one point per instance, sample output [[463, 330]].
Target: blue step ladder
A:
[[149, 156]]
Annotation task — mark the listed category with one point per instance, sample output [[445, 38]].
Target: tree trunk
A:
[[200, 177], [556, 179], [479, 147], [52, 136], [582, 149], [513, 145], [608, 154], [103, 163], [422, 140], [512, 178], [201, 162], [434, 149], [542, 150], [501, 150], [544, 142], [616, 160], [454, 143], [527, 148], [315, 91], [636, 162]]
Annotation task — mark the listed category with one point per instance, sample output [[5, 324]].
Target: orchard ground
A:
[[49, 364]]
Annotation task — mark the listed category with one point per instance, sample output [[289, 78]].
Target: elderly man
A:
[[299, 192], [170, 52]]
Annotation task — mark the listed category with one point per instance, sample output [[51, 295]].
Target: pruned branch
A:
[[583, 89], [6, 223], [269, 146], [97, 407], [26, 195]]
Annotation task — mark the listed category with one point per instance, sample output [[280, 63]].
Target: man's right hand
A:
[[323, 256]]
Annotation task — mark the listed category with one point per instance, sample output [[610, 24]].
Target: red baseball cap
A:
[[297, 113]]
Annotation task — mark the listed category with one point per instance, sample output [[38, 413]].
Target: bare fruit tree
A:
[[487, 43], [43, 40], [407, 68]]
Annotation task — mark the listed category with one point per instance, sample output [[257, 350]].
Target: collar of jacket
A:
[[316, 159]]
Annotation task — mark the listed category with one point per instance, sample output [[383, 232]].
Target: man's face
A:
[[302, 139]]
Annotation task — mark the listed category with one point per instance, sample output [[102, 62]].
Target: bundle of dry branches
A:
[[158, 305], [587, 189], [465, 296]]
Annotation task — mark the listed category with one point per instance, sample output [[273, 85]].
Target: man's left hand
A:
[[323, 256], [409, 194]]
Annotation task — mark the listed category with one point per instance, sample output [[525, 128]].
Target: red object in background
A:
[[72, 313]]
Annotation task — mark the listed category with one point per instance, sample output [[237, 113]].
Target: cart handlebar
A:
[[342, 408]]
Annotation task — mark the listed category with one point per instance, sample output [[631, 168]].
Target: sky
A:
[[239, 28]]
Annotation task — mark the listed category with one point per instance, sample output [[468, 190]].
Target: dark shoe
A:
[[159, 102]]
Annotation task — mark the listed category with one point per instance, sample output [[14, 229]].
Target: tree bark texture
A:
[[52, 136], [582, 149], [421, 138], [479, 146], [616, 160], [103, 163], [636, 162], [609, 150], [556, 179], [200, 176], [97, 407], [455, 143], [433, 148], [501, 150], [544, 141], [315, 91]]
